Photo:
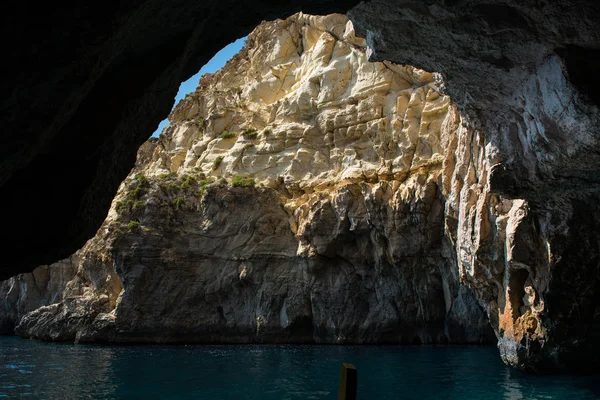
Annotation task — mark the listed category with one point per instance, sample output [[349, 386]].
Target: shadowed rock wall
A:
[[527, 181]]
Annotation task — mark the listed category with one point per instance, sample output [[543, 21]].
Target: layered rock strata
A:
[[299, 195]]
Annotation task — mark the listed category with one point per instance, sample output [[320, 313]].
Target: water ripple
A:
[[269, 372]]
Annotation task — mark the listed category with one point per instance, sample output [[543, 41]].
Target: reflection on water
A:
[[52, 371], [55, 371], [512, 388]]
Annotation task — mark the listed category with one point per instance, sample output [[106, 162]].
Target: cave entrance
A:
[[303, 115], [190, 85]]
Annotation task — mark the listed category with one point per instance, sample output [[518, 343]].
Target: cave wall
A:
[[526, 189], [86, 85], [338, 238]]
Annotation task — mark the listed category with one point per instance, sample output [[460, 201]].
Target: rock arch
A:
[[86, 84]]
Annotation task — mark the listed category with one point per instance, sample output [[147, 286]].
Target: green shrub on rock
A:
[[243, 181], [250, 133], [177, 202], [132, 198], [168, 176], [187, 181], [227, 135], [133, 225], [203, 184], [217, 162]]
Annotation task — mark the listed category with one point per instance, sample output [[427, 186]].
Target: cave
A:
[[87, 84]]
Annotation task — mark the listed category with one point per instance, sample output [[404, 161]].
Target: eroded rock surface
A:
[[298, 195], [524, 195], [86, 85], [514, 165]]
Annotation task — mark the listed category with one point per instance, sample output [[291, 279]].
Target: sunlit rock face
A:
[[299, 195], [323, 114], [522, 205], [87, 84]]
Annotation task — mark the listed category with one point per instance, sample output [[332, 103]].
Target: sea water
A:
[[37, 370]]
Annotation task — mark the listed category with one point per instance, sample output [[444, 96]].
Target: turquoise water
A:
[[31, 369]]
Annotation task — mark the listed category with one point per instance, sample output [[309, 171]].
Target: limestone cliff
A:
[[299, 195], [521, 205]]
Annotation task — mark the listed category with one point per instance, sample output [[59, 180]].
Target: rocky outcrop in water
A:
[[299, 195]]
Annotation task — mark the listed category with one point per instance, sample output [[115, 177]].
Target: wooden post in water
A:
[[348, 382]]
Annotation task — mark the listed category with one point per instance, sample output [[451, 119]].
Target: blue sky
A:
[[216, 63]]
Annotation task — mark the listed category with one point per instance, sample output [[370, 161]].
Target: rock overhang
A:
[[518, 71]]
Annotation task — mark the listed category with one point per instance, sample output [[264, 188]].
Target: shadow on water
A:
[[269, 372]]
